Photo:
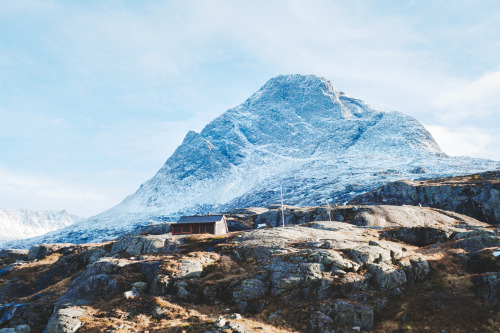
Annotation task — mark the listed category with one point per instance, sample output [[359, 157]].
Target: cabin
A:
[[209, 224]]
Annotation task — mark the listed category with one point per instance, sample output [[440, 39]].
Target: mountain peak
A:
[[297, 132], [297, 85]]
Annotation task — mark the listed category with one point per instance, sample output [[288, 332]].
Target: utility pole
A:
[[282, 207], [329, 212]]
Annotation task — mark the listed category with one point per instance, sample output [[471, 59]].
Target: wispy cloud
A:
[[477, 99], [467, 140]]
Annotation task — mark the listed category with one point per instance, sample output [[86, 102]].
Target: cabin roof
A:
[[201, 219]]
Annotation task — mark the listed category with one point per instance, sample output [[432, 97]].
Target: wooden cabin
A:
[[209, 224]]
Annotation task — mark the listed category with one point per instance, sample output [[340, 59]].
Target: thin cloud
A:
[[467, 141], [479, 98]]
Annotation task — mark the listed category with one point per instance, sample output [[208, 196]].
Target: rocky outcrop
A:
[[43, 250], [476, 195], [137, 245]]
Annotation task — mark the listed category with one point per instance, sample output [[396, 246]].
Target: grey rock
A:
[[13, 254], [140, 287], [189, 269], [8, 330], [275, 315], [349, 314], [131, 294], [238, 328], [387, 276], [419, 236], [415, 268], [43, 250], [250, 289], [160, 285], [98, 280], [475, 244], [65, 320], [211, 293], [96, 254], [367, 254], [488, 287], [23, 329], [137, 245], [477, 197], [320, 322], [220, 322], [182, 290], [235, 316], [159, 312]]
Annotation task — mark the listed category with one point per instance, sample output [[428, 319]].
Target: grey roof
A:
[[201, 219]]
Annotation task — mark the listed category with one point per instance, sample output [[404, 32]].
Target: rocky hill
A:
[[383, 269], [476, 195], [298, 132]]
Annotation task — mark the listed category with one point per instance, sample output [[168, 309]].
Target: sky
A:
[[96, 95]]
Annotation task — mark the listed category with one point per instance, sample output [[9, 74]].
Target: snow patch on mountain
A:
[[296, 131], [16, 224]]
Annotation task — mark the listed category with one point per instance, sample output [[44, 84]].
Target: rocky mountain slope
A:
[[21, 223], [476, 195], [384, 269], [296, 131]]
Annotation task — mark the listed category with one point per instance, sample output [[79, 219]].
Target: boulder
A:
[[189, 269], [367, 254], [416, 268], [98, 280], [386, 276], [160, 285], [65, 320]]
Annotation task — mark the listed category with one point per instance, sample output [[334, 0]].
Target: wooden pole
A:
[[282, 207]]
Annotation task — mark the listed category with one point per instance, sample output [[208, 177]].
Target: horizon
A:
[[96, 96]]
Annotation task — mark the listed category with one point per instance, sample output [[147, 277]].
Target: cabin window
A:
[[211, 228], [186, 228], [177, 229], [196, 228]]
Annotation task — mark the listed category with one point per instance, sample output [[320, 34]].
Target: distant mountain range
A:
[[18, 224], [298, 132]]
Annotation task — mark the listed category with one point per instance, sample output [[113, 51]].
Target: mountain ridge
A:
[[17, 224], [296, 131]]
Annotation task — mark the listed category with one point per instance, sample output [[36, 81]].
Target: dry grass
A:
[[445, 300]]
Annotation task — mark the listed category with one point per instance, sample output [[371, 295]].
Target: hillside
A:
[[384, 269]]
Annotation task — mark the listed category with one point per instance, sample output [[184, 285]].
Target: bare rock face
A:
[[321, 276], [137, 245], [476, 195], [97, 281]]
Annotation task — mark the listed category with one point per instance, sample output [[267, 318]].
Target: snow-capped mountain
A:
[[296, 131], [21, 223]]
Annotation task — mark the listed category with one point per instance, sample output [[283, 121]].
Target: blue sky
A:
[[95, 95]]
